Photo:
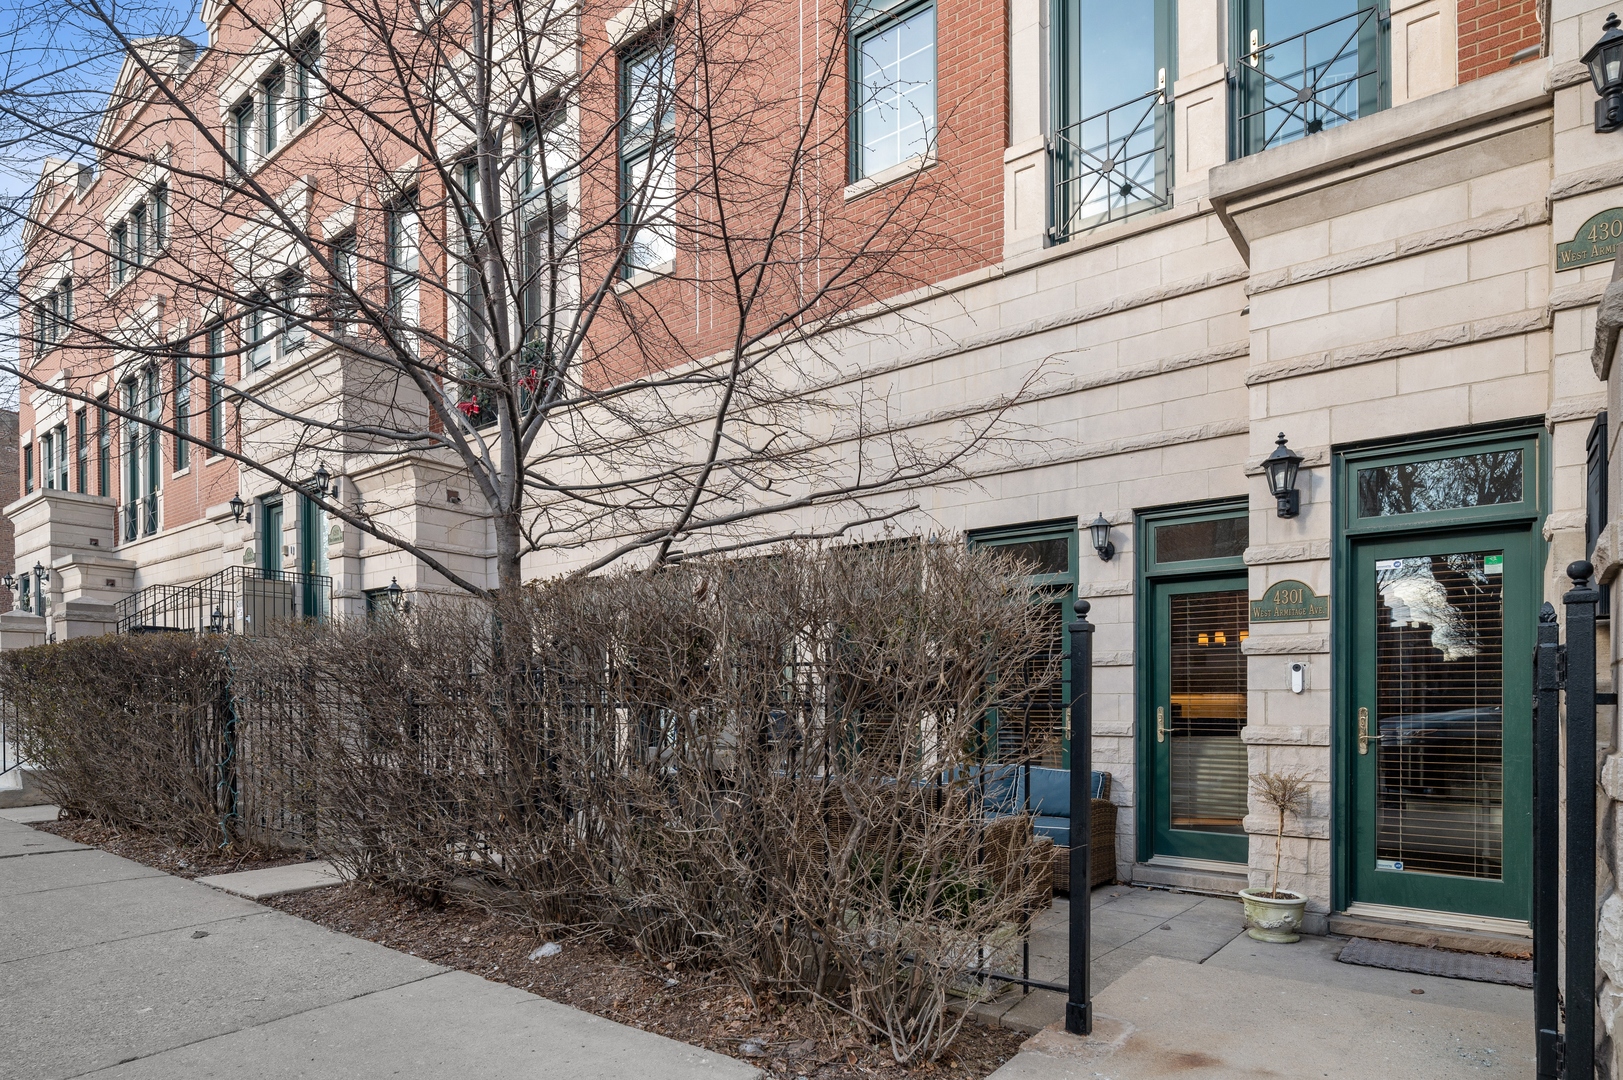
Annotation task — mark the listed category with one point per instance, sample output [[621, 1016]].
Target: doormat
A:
[[1478, 967]]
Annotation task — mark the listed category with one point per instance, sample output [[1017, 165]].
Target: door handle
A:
[[1364, 737], [1160, 724]]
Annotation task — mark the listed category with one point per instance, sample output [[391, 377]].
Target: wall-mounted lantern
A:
[[1281, 467], [238, 507], [1605, 63], [1100, 531]]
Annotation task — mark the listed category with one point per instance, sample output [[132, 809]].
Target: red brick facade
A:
[[1491, 32]]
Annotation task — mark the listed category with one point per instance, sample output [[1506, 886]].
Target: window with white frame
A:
[[270, 111], [291, 299], [52, 316], [470, 300], [141, 234], [47, 459], [402, 257], [241, 139], [182, 363], [346, 282], [893, 114], [647, 161], [256, 330], [306, 73], [214, 338]]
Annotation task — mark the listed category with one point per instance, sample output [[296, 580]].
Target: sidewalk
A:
[[114, 970]]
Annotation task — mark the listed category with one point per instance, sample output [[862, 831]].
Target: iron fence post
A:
[[1580, 602], [1546, 844], [1079, 1006]]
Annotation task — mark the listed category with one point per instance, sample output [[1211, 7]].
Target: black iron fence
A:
[[1111, 165], [237, 600], [1564, 897], [1299, 85], [10, 755]]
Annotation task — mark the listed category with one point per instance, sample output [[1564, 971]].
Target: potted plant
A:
[[1276, 915]]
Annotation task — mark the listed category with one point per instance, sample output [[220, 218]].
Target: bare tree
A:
[[594, 265]]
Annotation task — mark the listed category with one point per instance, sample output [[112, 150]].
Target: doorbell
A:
[[1298, 678]]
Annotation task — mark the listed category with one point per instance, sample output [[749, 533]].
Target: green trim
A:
[[1347, 530], [1150, 571]]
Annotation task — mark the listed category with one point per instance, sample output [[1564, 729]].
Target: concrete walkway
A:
[[111, 969], [1250, 1010]]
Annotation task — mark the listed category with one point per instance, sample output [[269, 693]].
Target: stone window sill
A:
[[885, 177]]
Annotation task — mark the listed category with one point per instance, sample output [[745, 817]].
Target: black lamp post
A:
[[1605, 62], [217, 621], [1281, 467], [1100, 531], [395, 593]]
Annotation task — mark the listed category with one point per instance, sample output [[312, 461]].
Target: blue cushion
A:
[[1051, 792], [1057, 827]]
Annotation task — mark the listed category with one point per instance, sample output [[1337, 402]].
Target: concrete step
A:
[[1189, 879], [1431, 937], [20, 787]]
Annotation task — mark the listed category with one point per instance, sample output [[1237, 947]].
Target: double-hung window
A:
[[104, 449], [270, 114], [47, 459], [290, 300], [306, 67], [183, 406], [403, 255], [893, 82], [81, 446], [121, 252], [345, 282], [62, 456], [215, 337], [28, 467], [52, 316], [256, 330], [242, 134], [647, 161]]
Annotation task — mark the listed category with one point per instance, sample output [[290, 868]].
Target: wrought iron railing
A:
[[131, 521], [1111, 165], [1297, 86], [10, 755], [237, 600]]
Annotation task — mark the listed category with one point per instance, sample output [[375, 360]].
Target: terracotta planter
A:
[[1274, 920]]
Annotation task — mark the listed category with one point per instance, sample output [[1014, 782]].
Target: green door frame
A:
[[271, 510], [1528, 435], [1061, 586], [1152, 570]]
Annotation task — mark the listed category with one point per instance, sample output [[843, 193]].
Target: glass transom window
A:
[[1494, 478]]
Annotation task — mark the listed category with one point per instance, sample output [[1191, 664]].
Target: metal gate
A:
[[1564, 1009]]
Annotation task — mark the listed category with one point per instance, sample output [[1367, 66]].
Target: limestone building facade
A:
[[1378, 232]]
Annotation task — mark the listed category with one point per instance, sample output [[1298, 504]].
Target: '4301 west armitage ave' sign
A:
[[1289, 601], [1595, 241]]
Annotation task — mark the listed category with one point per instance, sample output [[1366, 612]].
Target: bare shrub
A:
[[1283, 793], [764, 767], [129, 730]]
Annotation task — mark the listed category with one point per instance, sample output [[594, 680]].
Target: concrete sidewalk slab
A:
[[498, 1032], [19, 839], [140, 996], [276, 880], [70, 869], [1171, 1018], [29, 815], [39, 923]]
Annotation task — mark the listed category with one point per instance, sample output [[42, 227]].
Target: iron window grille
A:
[[1297, 86], [1111, 165]]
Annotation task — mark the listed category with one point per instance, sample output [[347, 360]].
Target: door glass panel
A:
[[1221, 538], [1419, 487], [1440, 696], [1050, 556], [1031, 732], [1206, 756]]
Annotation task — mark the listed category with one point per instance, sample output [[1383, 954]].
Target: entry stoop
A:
[[1453, 938], [20, 787]]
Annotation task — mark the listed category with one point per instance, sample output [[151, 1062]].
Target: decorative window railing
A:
[[1299, 85], [1111, 165]]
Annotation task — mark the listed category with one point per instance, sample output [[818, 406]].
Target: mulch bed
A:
[[786, 1040]]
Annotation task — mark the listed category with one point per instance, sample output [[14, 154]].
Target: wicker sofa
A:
[[1046, 794]]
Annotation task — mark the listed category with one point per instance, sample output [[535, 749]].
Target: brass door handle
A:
[[1364, 737], [1160, 724]]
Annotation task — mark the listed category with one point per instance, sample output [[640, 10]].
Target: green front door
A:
[[1198, 712], [312, 555], [1439, 725], [270, 536]]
